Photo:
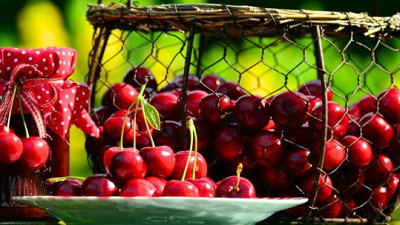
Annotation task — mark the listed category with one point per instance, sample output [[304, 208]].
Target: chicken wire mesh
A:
[[296, 96]]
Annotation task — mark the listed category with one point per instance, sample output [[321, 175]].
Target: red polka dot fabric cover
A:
[[53, 101]]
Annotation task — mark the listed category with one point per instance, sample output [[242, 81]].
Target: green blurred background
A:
[[40, 23]]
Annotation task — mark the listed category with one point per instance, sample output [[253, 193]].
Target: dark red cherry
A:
[[376, 130], [252, 112], [335, 154], [366, 105], [180, 163], [35, 153], [210, 82], [314, 88], [331, 207], [389, 105], [168, 135], [135, 77], [337, 119], [99, 185], [267, 148], [313, 102], [100, 115], [392, 186], [289, 109], [213, 108], [113, 127], [348, 205], [158, 182], [180, 189], [324, 186], [109, 153], [119, 96], [380, 171], [167, 105], [205, 186], [160, 160], [359, 151], [297, 162], [69, 187], [348, 181], [376, 199], [127, 165], [138, 187], [227, 188], [303, 136], [231, 89], [275, 179], [193, 102], [10, 148]]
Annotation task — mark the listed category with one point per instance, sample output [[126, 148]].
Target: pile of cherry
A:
[[277, 140]]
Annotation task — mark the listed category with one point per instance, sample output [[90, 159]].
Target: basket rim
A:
[[237, 21]]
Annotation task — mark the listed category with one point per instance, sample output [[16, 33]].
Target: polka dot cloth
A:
[[62, 102]]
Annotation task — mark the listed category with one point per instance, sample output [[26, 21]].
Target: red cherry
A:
[[160, 160], [120, 96], [167, 105], [297, 162], [181, 189], [126, 165], [348, 204], [314, 88], [353, 128], [380, 171], [313, 102], [359, 151], [376, 199], [335, 154], [168, 135], [252, 112], [232, 151], [193, 102], [366, 105], [392, 186], [99, 185], [113, 127], [354, 111], [10, 148], [389, 105], [213, 107], [303, 136], [69, 187], [375, 129], [109, 153], [100, 115], [180, 163], [337, 120], [158, 183], [289, 109], [330, 208], [226, 188], [267, 147], [324, 186], [275, 178], [210, 83], [348, 181], [231, 89], [205, 186], [138, 187], [35, 153], [135, 77]]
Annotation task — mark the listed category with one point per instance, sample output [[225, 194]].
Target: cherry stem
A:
[[147, 125], [238, 172], [190, 154], [54, 180], [12, 104], [134, 126], [193, 132], [22, 114]]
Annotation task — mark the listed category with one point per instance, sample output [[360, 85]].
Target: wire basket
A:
[[264, 53]]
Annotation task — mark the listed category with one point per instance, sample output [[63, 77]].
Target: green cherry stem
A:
[[134, 125], [12, 104], [194, 133], [146, 123], [190, 153], [22, 114]]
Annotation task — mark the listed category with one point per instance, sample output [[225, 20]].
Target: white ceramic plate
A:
[[160, 210]]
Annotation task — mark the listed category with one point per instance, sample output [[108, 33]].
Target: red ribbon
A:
[[28, 100]]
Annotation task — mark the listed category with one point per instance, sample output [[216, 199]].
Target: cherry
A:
[[126, 165], [231, 89], [69, 187], [135, 77], [233, 150], [181, 189], [213, 107], [366, 105], [100, 115], [35, 153], [10, 148], [389, 105], [109, 153], [205, 186], [297, 162], [252, 112], [353, 128], [359, 151], [289, 109], [335, 154], [376, 199], [193, 102], [324, 186], [236, 187], [354, 111], [314, 88], [348, 204], [138, 187], [210, 82], [313, 102], [113, 127], [120, 96], [267, 148], [303, 136], [275, 179], [331, 207], [348, 181], [160, 160], [167, 105], [180, 163], [168, 135], [392, 186], [376, 130], [380, 171], [337, 120], [158, 182], [99, 185]]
